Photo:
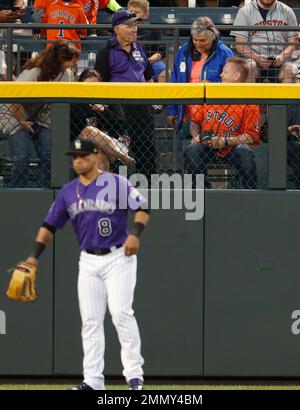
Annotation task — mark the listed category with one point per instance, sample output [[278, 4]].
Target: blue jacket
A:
[[211, 70]]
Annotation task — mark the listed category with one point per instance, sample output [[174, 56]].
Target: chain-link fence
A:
[[226, 143], [25, 145], [230, 155]]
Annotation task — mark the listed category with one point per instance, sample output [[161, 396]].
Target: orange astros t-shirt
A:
[[59, 12], [90, 7], [228, 121]]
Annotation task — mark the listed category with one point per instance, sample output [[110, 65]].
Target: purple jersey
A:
[[98, 211]]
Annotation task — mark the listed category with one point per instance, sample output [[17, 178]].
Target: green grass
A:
[[155, 387]]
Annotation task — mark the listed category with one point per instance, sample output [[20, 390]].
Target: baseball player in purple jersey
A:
[[97, 203]]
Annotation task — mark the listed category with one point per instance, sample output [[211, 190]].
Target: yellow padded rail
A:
[[255, 91], [100, 90], [149, 91]]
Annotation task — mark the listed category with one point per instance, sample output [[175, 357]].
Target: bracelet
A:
[[38, 248], [137, 228]]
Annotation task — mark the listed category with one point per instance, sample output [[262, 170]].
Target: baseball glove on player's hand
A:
[[207, 136], [22, 284]]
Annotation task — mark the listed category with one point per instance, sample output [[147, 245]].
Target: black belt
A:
[[104, 251]]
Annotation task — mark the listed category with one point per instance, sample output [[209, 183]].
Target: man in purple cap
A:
[[123, 59], [97, 203]]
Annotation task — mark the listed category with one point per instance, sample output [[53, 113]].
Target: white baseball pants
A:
[[108, 280]]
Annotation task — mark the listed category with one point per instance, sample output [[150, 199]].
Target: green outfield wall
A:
[[215, 297]]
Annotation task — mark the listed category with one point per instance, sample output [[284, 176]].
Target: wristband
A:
[[38, 249], [137, 228]]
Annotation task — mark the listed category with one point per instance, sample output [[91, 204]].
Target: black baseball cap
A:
[[83, 146], [124, 17]]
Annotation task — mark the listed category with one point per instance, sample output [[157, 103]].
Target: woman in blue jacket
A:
[[201, 59]]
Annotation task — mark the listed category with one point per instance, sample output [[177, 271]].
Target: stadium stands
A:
[[176, 15], [171, 15], [185, 15], [168, 159], [181, 15]]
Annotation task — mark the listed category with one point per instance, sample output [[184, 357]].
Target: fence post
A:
[[277, 147], [60, 171], [9, 54]]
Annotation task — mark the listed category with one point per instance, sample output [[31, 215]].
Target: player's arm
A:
[[43, 238], [132, 243], [56, 218], [141, 217]]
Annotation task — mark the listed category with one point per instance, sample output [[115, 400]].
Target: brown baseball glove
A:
[[207, 135], [22, 283]]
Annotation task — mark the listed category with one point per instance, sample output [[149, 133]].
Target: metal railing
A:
[[171, 41]]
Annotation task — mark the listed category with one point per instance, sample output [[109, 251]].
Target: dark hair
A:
[[50, 61], [89, 73]]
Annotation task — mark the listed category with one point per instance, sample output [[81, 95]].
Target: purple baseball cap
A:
[[124, 17]]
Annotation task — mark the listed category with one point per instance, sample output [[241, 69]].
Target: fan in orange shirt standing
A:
[[90, 7], [65, 13], [59, 12]]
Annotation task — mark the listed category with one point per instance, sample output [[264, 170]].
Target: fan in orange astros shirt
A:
[[90, 7], [225, 131], [65, 13]]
